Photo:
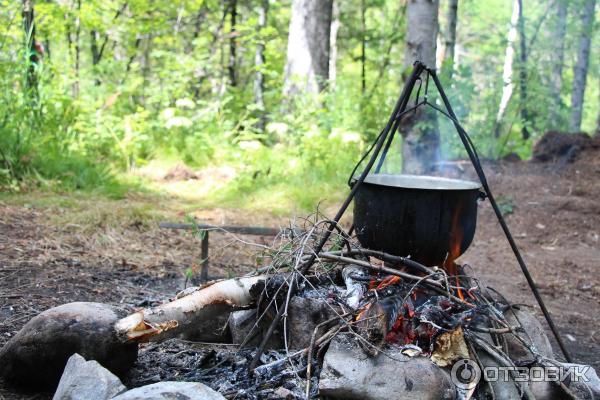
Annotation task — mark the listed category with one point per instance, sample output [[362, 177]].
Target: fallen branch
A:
[[196, 309]]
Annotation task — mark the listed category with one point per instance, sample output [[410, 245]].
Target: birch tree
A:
[[580, 69], [335, 27], [259, 62], [507, 74], [523, 73], [450, 42], [29, 31], [420, 150], [307, 66]]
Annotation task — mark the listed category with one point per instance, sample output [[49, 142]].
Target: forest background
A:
[[271, 103]]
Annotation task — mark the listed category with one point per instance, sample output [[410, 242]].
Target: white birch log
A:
[[195, 310]]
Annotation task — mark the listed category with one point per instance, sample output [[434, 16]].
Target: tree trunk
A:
[[96, 53], [77, 49], [507, 74], [259, 62], [94, 47], [145, 66], [335, 26], [452, 17], [581, 66], [557, 38], [363, 45], [598, 120], [231, 65], [421, 144], [523, 73], [47, 48], [198, 21], [421, 33], [29, 30], [307, 66]]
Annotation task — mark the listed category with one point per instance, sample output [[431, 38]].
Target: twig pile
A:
[[387, 300]]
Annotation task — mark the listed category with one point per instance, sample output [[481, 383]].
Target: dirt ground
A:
[[552, 209]]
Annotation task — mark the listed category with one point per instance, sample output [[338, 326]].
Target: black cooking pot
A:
[[427, 218]]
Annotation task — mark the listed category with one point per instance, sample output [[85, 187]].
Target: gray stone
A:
[[349, 374], [304, 314], [171, 391], [84, 380], [240, 325], [502, 389], [215, 332], [43, 346], [533, 330], [587, 388]]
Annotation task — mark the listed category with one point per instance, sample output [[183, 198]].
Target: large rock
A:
[[589, 386], [535, 335], [84, 380], [304, 314], [171, 391], [36, 356], [532, 330], [348, 374], [241, 324]]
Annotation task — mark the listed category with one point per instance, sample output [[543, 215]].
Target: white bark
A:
[[259, 61], [190, 311], [507, 74], [307, 66], [335, 26], [421, 32], [420, 148], [581, 66]]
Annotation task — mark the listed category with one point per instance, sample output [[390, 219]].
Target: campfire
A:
[[371, 305], [382, 310]]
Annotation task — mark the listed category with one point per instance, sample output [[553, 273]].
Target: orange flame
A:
[[456, 237]]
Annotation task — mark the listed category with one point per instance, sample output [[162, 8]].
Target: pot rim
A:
[[421, 182]]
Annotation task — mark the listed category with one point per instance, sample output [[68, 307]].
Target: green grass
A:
[[143, 198]]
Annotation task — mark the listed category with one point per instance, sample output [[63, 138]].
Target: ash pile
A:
[[342, 323]]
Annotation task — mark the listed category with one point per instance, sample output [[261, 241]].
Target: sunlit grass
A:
[[151, 198]]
